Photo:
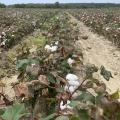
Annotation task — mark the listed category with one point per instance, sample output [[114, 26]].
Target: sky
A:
[[61, 1]]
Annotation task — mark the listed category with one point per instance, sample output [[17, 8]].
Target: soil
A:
[[99, 51]]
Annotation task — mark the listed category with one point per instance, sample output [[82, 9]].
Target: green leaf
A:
[[64, 67], [34, 61], [85, 96], [51, 78], [74, 103], [15, 112], [105, 73], [49, 117], [74, 118], [83, 115], [21, 64], [62, 118], [118, 116]]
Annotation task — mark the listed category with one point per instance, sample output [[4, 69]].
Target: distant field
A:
[[103, 21], [59, 64], [17, 23]]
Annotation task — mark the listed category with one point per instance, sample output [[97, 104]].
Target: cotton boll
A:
[[47, 48], [66, 88], [74, 83], [71, 77], [62, 107], [56, 43], [3, 33], [51, 44], [3, 43], [71, 89], [54, 48], [70, 61]]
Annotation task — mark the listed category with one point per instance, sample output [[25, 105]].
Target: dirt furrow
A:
[[99, 51]]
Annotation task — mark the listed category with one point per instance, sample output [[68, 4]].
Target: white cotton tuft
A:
[[3, 43], [73, 83], [70, 61], [56, 43], [70, 89], [3, 33], [47, 48], [66, 88], [62, 107], [54, 48], [71, 77]]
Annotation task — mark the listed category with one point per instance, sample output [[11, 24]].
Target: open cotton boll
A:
[[51, 44], [73, 83], [70, 89], [47, 47], [56, 43], [72, 77], [54, 48], [3, 33], [62, 107], [66, 88], [3, 43], [70, 61]]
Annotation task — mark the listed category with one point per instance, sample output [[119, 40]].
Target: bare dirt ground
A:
[[99, 51]]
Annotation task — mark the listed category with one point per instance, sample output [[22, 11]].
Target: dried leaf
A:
[[21, 90], [43, 80]]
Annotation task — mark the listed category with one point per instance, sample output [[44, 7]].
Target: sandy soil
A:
[[99, 51]]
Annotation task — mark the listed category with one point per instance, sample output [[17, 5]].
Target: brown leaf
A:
[[43, 80], [62, 80], [33, 70], [21, 90]]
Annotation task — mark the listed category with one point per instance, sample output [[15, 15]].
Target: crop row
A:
[[17, 23], [103, 21]]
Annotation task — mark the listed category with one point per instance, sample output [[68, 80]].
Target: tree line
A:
[[61, 5]]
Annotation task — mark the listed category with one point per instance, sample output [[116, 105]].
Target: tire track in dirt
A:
[[99, 51]]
